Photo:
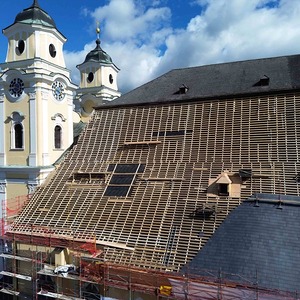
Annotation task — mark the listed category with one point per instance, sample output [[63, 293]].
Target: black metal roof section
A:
[[259, 240], [35, 15], [98, 55], [219, 81]]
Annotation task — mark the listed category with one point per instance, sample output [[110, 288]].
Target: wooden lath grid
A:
[[257, 133]]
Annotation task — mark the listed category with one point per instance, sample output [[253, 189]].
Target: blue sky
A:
[[147, 38]]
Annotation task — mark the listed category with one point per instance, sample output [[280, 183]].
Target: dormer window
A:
[[227, 184], [224, 183], [263, 81], [223, 189]]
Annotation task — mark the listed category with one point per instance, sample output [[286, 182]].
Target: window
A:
[[111, 79], [16, 87], [90, 77], [223, 189], [52, 50], [18, 129], [57, 137], [87, 179], [122, 179], [21, 47]]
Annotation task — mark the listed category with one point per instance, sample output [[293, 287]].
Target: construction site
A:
[[30, 273], [180, 200], [187, 187]]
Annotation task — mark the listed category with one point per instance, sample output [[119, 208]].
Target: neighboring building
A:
[[187, 188], [37, 99]]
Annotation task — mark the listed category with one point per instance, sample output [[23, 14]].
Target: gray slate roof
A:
[[220, 80], [256, 238]]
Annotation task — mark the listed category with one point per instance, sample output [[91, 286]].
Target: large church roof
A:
[[146, 182], [219, 81]]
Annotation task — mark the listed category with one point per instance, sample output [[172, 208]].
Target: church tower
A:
[[36, 102], [98, 80]]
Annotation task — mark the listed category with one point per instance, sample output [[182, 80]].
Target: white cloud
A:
[[142, 43], [75, 58], [126, 20], [132, 34]]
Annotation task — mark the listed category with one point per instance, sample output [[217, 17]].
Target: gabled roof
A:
[[249, 77]]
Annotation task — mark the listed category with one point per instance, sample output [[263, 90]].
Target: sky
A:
[[147, 38]]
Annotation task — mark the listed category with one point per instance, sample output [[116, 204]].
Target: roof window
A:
[[263, 81], [183, 89], [122, 179]]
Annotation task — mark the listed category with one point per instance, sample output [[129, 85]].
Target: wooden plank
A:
[[163, 179], [57, 296], [19, 276], [119, 201], [115, 245], [142, 143], [15, 257], [9, 292]]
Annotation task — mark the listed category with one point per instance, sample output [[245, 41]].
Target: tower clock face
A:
[[58, 90], [16, 87]]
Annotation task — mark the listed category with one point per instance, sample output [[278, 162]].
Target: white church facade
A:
[[39, 103]]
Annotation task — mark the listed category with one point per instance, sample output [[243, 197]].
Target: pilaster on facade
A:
[[33, 130], [2, 130]]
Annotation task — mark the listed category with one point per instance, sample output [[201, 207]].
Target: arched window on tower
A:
[[17, 131], [57, 137], [58, 131], [18, 128]]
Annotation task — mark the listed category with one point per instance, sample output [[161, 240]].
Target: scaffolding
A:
[[10, 208], [31, 273]]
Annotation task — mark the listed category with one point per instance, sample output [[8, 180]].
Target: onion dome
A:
[[35, 15], [98, 55]]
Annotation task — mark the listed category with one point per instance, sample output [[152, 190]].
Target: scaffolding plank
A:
[[48, 270], [19, 276], [9, 292], [15, 257], [57, 296]]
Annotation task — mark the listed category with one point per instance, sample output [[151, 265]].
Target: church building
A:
[[187, 187], [38, 100]]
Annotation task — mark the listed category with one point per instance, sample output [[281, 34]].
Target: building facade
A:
[[37, 99]]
